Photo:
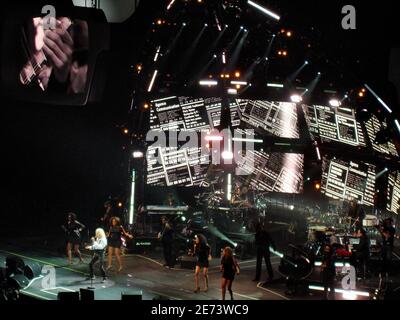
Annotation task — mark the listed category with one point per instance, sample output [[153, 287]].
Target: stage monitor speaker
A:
[[68, 296], [14, 265], [18, 281], [188, 262], [32, 270], [87, 294], [132, 296]]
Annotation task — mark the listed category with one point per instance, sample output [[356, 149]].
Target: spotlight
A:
[[153, 78], [317, 186], [232, 91], [184, 24], [138, 154], [214, 56], [209, 83], [319, 73], [334, 103], [296, 98], [237, 74], [183, 218], [291, 207], [214, 138], [306, 62], [159, 22], [289, 34], [241, 28], [227, 155], [170, 4], [396, 122], [239, 83], [377, 98], [146, 106], [119, 204], [264, 10], [206, 25], [125, 131], [275, 85]]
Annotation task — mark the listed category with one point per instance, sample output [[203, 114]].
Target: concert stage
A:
[[145, 275]]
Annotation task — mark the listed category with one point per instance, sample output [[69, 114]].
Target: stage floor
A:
[[145, 274]]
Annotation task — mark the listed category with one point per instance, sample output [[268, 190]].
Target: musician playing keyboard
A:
[[243, 198], [170, 201]]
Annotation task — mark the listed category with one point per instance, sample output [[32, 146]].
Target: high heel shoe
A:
[[197, 290]]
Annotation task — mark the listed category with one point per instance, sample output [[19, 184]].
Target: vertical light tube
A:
[[132, 198]]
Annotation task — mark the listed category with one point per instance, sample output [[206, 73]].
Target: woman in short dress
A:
[[202, 251], [229, 267], [73, 229], [114, 241]]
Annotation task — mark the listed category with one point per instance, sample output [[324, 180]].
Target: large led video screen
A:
[[337, 124], [348, 180], [393, 194], [188, 165], [274, 118], [189, 114], [183, 113], [373, 126], [273, 172]]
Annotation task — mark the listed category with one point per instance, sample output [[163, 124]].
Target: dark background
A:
[[58, 159]]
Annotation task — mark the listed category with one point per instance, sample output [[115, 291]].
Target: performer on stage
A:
[[388, 232], [361, 252], [167, 236], [328, 272], [263, 242], [108, 213], [115, 234], [203, 253], [98, 246], [229, 267], [243, 198], [73, 229], [170, 201], [357, 214]]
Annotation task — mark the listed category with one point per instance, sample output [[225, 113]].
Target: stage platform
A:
[[145, 274]]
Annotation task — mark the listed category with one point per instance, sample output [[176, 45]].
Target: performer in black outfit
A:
[[73, 229], [263, 242], [328, 271], [357, 214], [167, 236], [108, 214], [388, 232], [229, 268], [203, 253], [361, 255], [115, 233], [98, 246]]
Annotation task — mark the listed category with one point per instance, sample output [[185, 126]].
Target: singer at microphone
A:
[[98, 246]]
